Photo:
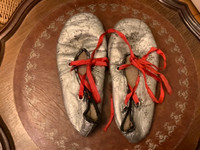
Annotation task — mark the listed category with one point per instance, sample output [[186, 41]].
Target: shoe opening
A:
[[91, 113], [131, 74]]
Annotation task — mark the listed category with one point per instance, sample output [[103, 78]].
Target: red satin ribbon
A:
[[150, 69], [141, 64], [90, 84], [90, 63], [111, 114], [146, 68], [132, 92]]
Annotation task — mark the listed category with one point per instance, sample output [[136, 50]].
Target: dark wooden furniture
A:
[[30, 98], [185, 14]]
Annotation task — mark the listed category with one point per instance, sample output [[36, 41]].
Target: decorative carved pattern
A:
[[70, 13], [92, 7], [81, 9], [138, 147], [184, 82], [145, 16], [176, 117], [114, 7], [170, 39], [38, 44], [124, 9], [181, 106], [185, 14], [61, 142], [61, 18], [181, 60], [50, 135], [176, 49], [162, 138], [45, 35], [183, 94], [183, 70], [135, 12], [29, 89], [41, 125], [35, 114], [151, 145], [154, 23], [28, 77], [52, 27], [170, 128], [162, 31], [102, 6], [30, 66], [33, 54]]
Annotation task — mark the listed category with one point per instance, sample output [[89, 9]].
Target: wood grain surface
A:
[[33, 25], [6, 140], [186, 14]]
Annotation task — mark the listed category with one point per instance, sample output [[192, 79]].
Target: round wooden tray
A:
[[38, 95]]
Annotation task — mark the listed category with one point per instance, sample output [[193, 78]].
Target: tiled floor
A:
[[193, 9]]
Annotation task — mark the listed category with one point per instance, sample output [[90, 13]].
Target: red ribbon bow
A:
[[146, 68], [90, 84], [141, 64], [150, 69]]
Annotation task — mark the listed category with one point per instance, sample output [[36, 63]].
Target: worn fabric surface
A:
[[141, 40], [80, 31]]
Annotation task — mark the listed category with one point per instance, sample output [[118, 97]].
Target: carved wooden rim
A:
[[185, 14], [14, 22], [5, 137], [6, 32], [24, 8]]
